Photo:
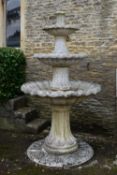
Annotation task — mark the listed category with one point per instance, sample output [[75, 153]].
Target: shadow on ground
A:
[[13, 159]]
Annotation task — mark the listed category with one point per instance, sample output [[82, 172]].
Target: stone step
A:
[[37, 125], [26, 114], [17, 103]]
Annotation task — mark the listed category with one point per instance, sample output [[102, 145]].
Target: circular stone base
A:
[[37, 154]]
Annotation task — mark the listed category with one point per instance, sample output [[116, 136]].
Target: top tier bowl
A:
[[57, 30]]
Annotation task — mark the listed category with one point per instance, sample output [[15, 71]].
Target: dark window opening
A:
[[13, 23]]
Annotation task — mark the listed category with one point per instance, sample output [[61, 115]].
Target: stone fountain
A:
[[60, 148]]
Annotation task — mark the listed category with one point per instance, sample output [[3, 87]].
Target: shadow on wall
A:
[[93, 116]]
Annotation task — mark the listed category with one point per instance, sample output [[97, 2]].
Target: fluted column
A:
[[60, 79], [23, 22], [60, 139], [3, 13]]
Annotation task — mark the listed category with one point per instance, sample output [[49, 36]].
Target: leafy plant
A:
[[12, 72]]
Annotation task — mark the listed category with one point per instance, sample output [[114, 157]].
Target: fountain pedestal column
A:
[[60, 82], [60, 139], [60, 45]]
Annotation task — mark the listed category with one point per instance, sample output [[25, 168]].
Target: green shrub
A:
[[12, 72]]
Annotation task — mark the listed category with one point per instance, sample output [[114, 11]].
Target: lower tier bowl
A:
[[54, 59], [77, 89]]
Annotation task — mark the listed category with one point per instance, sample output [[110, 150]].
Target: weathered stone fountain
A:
[[60, 148]]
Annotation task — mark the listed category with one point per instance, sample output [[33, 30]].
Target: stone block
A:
[[37, 125], [26, 114], [18, 102]]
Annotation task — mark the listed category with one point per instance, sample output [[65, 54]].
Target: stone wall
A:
[[97, 36]]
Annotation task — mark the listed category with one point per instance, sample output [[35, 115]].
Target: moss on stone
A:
[[96, 170]]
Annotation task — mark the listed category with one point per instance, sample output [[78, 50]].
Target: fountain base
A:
[[61, 150], [37, 154]]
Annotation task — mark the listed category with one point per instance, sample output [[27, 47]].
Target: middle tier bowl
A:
[[78, 90], [60, 59]]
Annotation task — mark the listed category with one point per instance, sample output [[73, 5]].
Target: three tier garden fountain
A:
[[60, 148]]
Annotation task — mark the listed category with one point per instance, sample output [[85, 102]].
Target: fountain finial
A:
[[60, 18]]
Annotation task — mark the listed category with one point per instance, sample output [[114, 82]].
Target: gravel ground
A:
[[14, 161]]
